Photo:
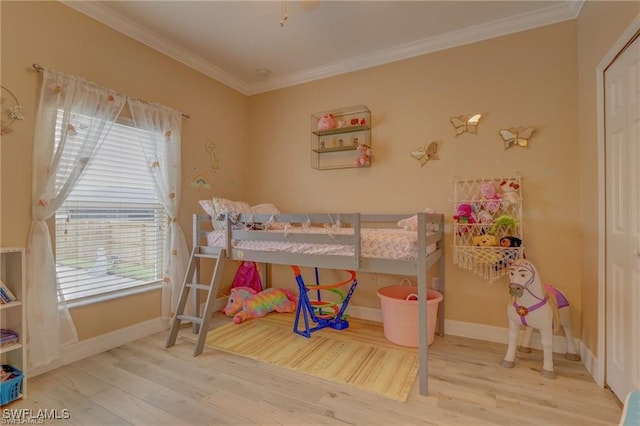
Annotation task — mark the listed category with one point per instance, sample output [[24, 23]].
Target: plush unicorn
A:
[[535, 305], [245, 303]]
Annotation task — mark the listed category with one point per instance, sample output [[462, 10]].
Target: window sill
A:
[[104, 297]]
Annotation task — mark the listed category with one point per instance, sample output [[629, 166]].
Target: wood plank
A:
[[144, 383]]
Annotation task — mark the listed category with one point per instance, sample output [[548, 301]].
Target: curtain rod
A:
[[40, 68]]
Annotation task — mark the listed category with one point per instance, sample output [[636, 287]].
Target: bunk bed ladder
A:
[[189, 284]]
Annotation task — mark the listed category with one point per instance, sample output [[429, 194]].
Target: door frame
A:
[[599, 373]]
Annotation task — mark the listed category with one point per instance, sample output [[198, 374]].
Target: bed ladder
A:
[[189, 284]]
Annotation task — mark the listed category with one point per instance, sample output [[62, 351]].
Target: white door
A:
[[622, 127]]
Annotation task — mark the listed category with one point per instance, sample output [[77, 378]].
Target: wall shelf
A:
[[334, 146]]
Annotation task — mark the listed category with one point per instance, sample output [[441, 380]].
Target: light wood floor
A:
[[144, 383]]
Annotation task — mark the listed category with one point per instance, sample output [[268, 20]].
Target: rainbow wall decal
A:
[[200, 181]]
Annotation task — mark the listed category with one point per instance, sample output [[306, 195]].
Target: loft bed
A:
[[361, 242]]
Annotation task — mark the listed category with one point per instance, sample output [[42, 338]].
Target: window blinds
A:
[[111, 231]]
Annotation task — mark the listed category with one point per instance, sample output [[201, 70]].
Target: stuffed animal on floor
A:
[[245, 303]]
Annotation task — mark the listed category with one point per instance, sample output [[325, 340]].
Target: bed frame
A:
[[434, 223]]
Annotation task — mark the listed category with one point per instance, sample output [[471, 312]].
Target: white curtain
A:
[[87, 113], [162, 153]]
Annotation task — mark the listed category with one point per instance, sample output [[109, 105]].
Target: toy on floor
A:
[[564, 316], [245, 303], [533, 307], [323, 313]]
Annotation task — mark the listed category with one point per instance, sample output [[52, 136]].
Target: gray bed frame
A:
[[430, 231]]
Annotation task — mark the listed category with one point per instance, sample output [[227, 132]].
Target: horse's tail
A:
[[551, 294]]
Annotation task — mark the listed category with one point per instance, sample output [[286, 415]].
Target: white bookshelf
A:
[[13, 314]]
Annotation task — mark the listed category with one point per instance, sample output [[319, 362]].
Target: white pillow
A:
[[217, 207], [411, 223], [222, 206], [207, 206], [265, 208], [268, 208]]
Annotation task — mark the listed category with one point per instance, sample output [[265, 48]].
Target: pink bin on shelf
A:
[[400, 314]]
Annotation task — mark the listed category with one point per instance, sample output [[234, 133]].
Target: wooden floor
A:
[[143, 383]]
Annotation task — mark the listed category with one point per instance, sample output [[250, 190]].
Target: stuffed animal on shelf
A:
[[364, 156], [509, 192], [489, 193], [245, 303], [326, 122]]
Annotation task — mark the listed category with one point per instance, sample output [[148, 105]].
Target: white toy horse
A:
[[532, 307]]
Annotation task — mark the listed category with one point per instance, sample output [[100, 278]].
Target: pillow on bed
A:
[[222, 206], [265, 208], [268, 208], [217, 207], [411, 223]]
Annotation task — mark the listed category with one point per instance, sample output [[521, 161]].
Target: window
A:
[[111, 231]]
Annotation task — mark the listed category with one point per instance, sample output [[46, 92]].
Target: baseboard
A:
[[592, 365], [95, 345], [105, 342], [473, 331]]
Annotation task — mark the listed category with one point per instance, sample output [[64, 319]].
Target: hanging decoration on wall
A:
[[516, 137], [200, 181], [466, 123], [426, 153], [11, 110], [212, 150]]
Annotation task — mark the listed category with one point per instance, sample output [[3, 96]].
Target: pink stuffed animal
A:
[[489, 193], [244, 303], [326, 122], [364, 156]]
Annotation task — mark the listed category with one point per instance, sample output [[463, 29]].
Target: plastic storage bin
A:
[[10, 389], [400, 314]]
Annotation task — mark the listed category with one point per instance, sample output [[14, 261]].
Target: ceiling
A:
[[231, 40]]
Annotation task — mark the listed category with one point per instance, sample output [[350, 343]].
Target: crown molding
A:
[[550, 15], [132, 29], [547, 16]]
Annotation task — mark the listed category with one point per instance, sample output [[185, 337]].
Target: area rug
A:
[[381, 369]]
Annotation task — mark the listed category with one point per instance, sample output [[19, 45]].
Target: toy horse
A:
[[532, 307], [245, 303]]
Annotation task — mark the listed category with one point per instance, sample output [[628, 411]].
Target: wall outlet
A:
[[435, 283]]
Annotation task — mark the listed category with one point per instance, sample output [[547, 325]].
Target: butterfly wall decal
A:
[[426, 153], [466, 123], [516, 137]]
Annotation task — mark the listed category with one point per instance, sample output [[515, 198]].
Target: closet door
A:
[[622, 124]]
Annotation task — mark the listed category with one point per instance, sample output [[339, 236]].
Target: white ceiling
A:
[[231, 40]]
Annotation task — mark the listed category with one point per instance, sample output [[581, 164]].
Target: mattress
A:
[[396, 244]]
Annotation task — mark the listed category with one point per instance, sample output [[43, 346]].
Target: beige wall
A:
[[58, 37], [541, 78], [526, 79], [600, 24]]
